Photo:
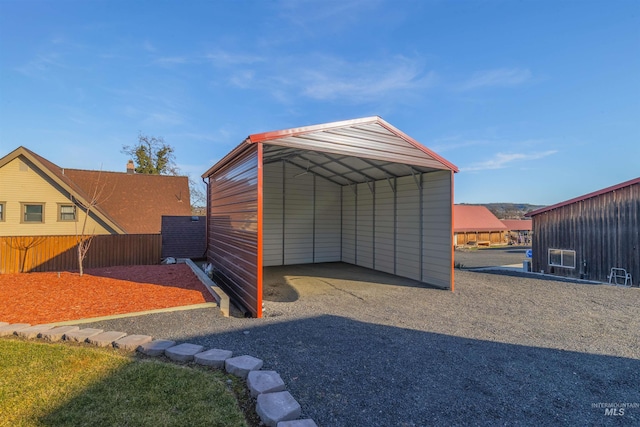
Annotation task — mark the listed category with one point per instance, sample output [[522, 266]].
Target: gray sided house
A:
[[357, 191], [587, 236]]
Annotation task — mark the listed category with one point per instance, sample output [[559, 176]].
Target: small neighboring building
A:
[[476, 225], [587, 236], [38, 198], [518, 231]]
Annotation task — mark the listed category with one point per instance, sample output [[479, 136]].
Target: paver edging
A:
[[146, 348]]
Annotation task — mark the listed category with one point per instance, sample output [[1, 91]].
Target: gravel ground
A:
[[360, 348]]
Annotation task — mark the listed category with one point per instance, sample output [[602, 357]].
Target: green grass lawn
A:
[[65, 385]]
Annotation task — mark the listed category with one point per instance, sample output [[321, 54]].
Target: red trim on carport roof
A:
[[416, 144], [586, 196], [266, 136], [260, 233]]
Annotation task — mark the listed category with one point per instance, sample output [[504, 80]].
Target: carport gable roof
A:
[[346, 152]]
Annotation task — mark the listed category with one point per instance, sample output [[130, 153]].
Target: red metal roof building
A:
[[476, 225], [357, 191]]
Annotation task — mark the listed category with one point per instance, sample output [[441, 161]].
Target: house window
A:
[[562, 258], [2, 214], [32, 212], [66, 213]]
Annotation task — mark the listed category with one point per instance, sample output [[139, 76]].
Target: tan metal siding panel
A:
[[408, 228], [327, 221], [365, 229], [298, 216], [349, 224], [384, 227], [233, 228], [437, 240], [273, 214]]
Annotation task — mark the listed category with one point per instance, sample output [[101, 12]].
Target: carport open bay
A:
[[359, 348]]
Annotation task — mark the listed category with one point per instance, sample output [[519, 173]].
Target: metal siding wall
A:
[[327, 221], [301, 217], [233, 228], [408, 228], [365, 230], [384, 227], [349, 224], [273, 214], [298, 216], [603, 230], [437, 215]]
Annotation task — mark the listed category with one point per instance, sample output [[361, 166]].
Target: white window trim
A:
[[75, 212], [3, 211], [562, 252]]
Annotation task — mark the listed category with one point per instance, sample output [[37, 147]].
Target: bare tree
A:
[[198, 194], [83, 239]]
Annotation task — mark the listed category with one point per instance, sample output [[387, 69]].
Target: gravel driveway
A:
[[361, 348]]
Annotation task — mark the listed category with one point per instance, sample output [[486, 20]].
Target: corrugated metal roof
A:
[[475, 218], [517, 224], [346, 152], [585, 197]]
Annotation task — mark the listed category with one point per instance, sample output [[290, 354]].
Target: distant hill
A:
[[508, 210]]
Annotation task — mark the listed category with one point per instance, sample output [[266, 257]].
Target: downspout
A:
[[206, 222]]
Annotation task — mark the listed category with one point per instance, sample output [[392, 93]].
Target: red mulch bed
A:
[[39, 298]]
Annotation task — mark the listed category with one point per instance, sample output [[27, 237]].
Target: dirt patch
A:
[[39, 298], [277, 288]]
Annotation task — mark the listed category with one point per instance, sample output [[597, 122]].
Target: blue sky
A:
[[534, 101]]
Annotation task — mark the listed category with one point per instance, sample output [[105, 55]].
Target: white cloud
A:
[[171, 60], [501, 77], [40, 65], [221, 58], [503, 160], [332, 78], [149, 47]]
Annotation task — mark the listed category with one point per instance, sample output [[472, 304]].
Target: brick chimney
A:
[[130, 167]]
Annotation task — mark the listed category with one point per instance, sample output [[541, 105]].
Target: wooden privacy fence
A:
[[60, 253]]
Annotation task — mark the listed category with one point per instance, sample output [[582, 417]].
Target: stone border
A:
[[274, 405], [221, 297]]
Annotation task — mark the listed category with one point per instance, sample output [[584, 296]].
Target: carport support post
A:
[[259, 231], [451, 240]]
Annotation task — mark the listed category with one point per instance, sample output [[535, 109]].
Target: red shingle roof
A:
[[475, 218], [136, 201]]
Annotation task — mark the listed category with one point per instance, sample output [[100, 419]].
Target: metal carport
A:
[[358, 191]]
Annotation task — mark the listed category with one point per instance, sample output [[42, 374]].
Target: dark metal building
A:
[[357, 191], [587, 236]]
